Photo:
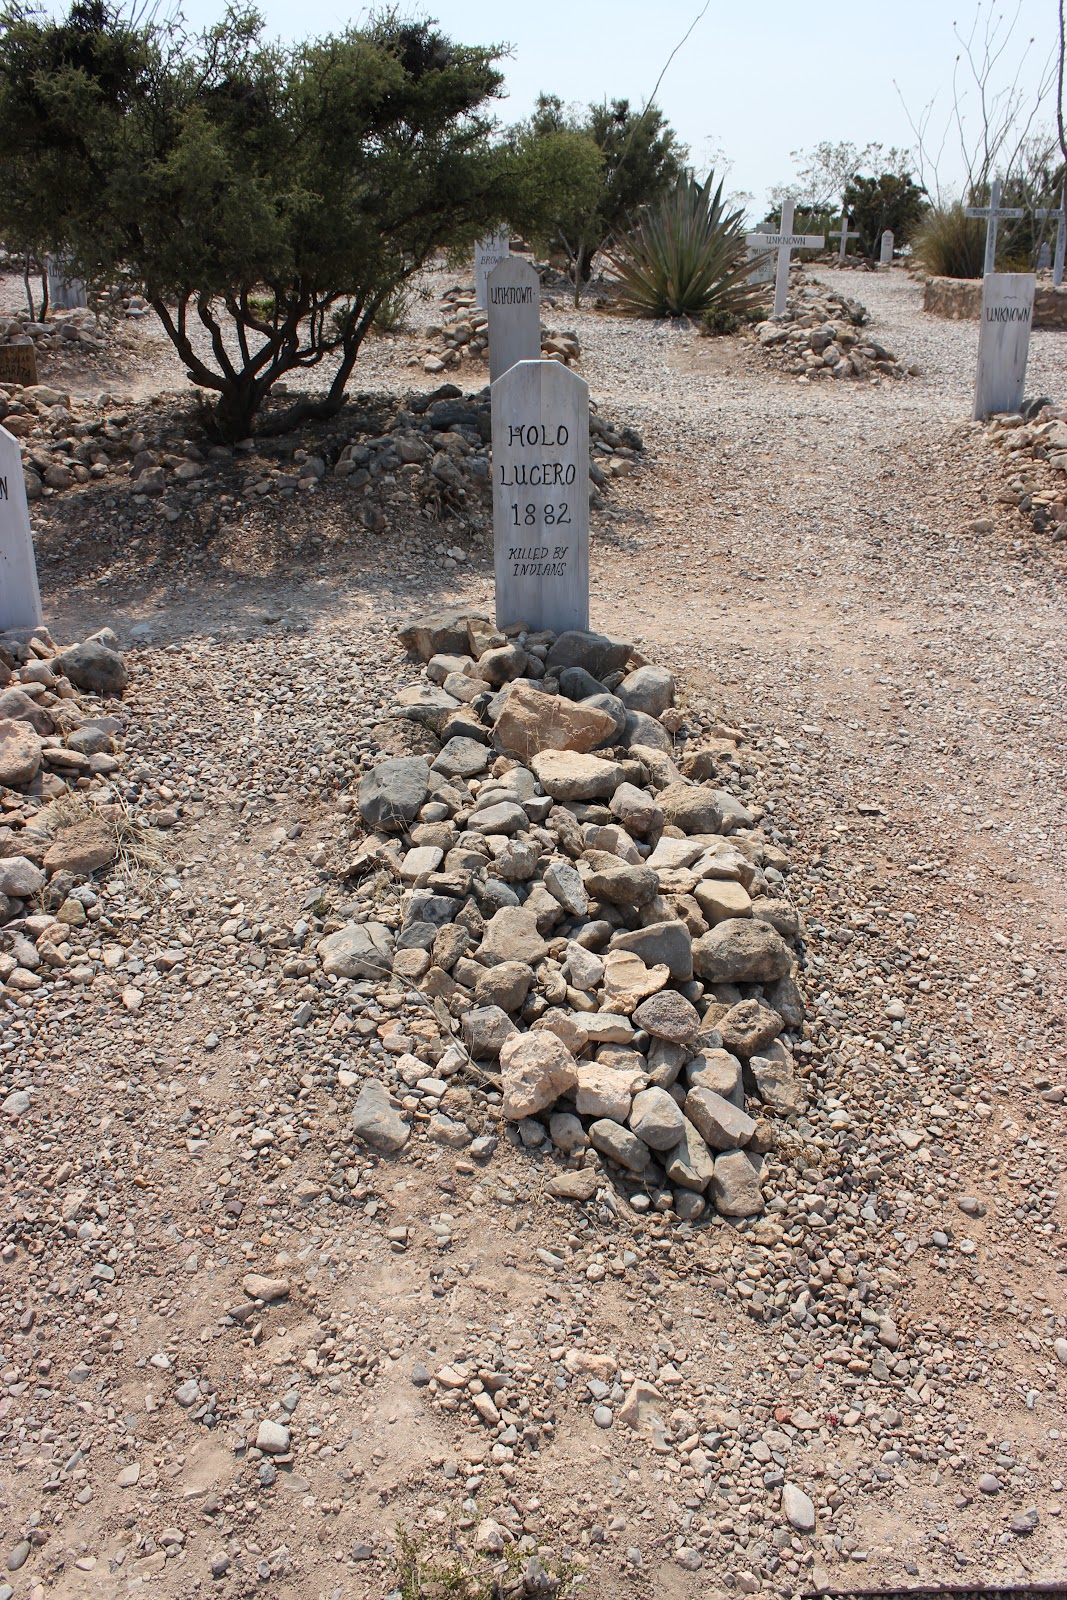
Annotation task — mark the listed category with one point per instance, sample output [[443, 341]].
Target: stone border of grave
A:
[[960, 300], [1035, 444], [601, 925]]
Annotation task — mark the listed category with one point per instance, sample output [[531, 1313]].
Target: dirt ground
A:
[[801, 555]]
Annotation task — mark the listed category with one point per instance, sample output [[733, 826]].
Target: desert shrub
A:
[[684, 257], [949, 244], [893, 200]]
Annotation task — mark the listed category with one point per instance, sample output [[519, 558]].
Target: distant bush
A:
[[684, 257], [949, 244]]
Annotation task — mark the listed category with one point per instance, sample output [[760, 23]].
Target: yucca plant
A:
[[684, 256], [949, 244]]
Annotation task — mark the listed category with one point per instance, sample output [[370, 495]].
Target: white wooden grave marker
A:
[[514, 294], [541, 496], [885, 258], [1004, 341], [487, 252], [992, 213], [20, 598], [64, 294], [1061, 242], [1044, 256], [784, 241], [844, 233]]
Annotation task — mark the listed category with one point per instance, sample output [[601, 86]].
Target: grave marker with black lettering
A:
[[514, 306], [541, 496], [1004, 341]]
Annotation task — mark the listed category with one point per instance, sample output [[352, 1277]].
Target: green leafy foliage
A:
[[893, 201], [220, 173], [635, 156], [949, 244], [684, 257]]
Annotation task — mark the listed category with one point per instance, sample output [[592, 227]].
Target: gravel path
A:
[[886, 1339]]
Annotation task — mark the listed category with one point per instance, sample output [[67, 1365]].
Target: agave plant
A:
[[684, 256]]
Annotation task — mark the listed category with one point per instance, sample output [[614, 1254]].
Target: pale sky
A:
[[756, 80]]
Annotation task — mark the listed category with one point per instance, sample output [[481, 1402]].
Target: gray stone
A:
[[741, 951], [19, 878], [622, 884], [785, 998], [17, 1103], [93, 667], [691, 807], [358, 950], [485, 1029], [578, 1185], [647, 733], [439, 632], [798, 1508], [376, 1121], [583, 969], [20, 754], [735, 1186], [781, 914], [647, 689], [722, 1125], [272, 1438], [718, 1071], [505, 817], [668, 1015], [668, 944], [462, 758], [657, 1119], [665, 1062], [511, 935], [749, 1027], [568, 775], [391, 794], [562, 881], [778, 1086], [735, 814], [187, 1393], [536, 1068], [506, 985], [577, 684], [690, 1164], [620, 1145], [599, 654], [567, 1132], [636, 809]]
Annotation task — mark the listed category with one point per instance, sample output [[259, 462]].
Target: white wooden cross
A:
[[1061, 240], [844, 235], [992, 213], [784, 241]]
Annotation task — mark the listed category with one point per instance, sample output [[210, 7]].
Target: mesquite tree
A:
[[266, 199]]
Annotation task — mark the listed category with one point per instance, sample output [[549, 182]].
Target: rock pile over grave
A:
[[1035, 447], [820, 337], [610, 929], [463, 336], [432, 449], [60, 726], [79, 330]]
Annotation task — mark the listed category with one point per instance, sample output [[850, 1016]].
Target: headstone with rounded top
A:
[[20, 597], [64, 294], [886, 256], [541, 496], [1004, 341], [514, 306]]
